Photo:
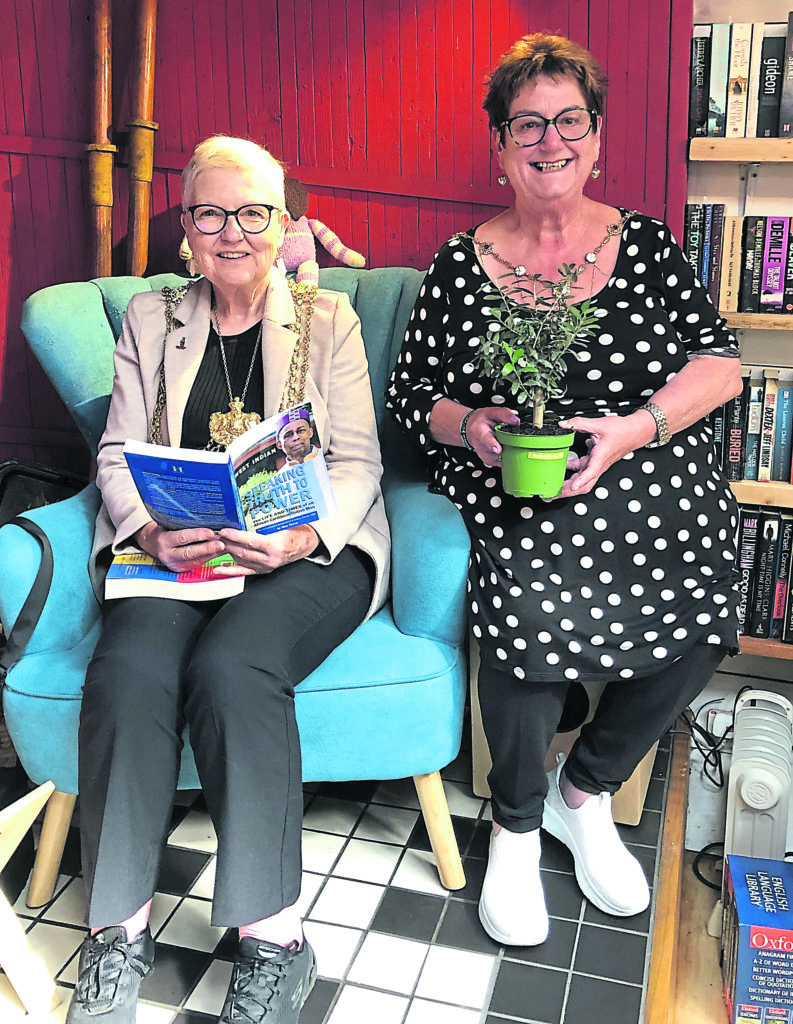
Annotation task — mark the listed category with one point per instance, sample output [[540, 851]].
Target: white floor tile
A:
[[389, 963], [329, 815], [320, 850], [70, 906], [343, 901], [56, 945], [334, 946], [147, 1013], [418, 872], [387, 824], [364, 1006], [461, 800], [209, 993], [397, 793], [204, 885], [368, 862], [310, 886], [162, 906], [422, 1011], [195, 832], [456, 976], [190, 928]]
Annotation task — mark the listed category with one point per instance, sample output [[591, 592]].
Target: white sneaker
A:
[[512, 904], [607, 874]]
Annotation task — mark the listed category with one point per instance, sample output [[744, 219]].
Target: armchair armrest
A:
[[71, 608], [429, 559]]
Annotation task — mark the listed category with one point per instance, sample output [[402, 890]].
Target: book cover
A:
[[768, 426], [738, 80], [748, 522], [783, 428], [707, 229], [699, 81], [772, 279], [253, 485], [753, 86], [719, 70], [782, 581], [787, 296], [785, 129], [695, 222], [754, 422], [760, 613], [714, 259], [770, 85], [729, 282], [138, 574], [753, 248], [717, 418], [735, 413]]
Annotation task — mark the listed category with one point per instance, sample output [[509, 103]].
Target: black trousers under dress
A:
[[521, 717], [227, 670]]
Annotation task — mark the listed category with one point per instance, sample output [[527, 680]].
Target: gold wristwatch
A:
[[661, 426]]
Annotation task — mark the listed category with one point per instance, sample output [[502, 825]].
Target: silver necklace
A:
[[486, 249], [225, 426]]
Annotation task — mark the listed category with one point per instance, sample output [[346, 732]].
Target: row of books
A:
[[765, 545], [741, 80], [745, 263], [753, 432]]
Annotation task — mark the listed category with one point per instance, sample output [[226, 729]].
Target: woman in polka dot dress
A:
[[628, 576]]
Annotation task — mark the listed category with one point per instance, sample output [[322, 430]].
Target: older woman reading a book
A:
[[194, 366]]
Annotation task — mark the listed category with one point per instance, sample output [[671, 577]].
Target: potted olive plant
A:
[[526, 348]]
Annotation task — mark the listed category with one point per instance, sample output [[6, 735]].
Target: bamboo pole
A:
[[141, 140], [101, 150]]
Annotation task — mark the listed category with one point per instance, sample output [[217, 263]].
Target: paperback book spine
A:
[[717, 418], [787, 295], [753, 87], [735, 432], [768, 429], [699, 82], [772, 279], [715, 261], [770, 88], [783, 431], [740, 48], [754, 423], [765, 573], [782, 583], [719, 71], [785, 129], [730, 264], [693, 240], [753, 249], [747, 553], [707, 234]]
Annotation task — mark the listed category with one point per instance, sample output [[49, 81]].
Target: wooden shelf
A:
[[742, 151], [765, 492], [759, 321], [766, 648]]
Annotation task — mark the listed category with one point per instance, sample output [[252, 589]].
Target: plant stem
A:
[[538, 406]]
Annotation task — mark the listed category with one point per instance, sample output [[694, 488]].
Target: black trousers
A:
[[226, 670], [521, 717]]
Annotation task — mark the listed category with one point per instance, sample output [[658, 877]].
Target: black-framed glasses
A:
[[572, 124], [253, 218]]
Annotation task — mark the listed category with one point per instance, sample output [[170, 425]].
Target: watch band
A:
[[661, 426], [463, 424]]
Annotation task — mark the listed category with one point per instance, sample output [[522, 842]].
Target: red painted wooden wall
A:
[[374, 104]]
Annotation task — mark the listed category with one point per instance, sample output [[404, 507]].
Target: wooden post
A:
[[101, 150], [141, 141]]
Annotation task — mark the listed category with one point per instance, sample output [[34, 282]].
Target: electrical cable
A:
[[696, 862]]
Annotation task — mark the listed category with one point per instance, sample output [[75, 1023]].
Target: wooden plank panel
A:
[[340, 84], [291, 112], [412, 86], [356, 65], [306, 82], [31, 84], [236, 56], [320, 58], [11, 105], [427, 104]]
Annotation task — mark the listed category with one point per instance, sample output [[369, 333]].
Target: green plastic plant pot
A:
[[533, 465]]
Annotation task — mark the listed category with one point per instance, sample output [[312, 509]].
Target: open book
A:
[[272, 477]]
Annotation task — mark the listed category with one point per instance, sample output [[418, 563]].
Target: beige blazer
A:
[[337, 385]]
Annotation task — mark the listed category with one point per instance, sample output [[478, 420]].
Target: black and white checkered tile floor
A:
[[393, 946]]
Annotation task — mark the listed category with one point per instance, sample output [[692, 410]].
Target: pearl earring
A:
[[596, 172]]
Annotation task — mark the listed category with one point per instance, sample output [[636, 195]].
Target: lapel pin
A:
[[181, 344]]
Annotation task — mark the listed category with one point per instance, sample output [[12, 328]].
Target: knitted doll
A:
[[298, 249]]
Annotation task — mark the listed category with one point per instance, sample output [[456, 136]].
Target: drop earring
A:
[[596, 172], [502, 179]]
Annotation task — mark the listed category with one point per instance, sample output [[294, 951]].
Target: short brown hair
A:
[[541, 54]]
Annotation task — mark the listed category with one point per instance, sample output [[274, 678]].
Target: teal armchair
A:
[[387, 704]]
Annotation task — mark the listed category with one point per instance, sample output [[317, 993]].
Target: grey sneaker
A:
[[111, 970], [269, 983]]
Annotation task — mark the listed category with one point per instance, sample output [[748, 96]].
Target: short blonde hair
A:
[[228, 151]]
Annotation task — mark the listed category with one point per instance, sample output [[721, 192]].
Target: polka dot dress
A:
[[619, 582]]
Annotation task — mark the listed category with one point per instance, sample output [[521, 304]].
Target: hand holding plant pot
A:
[[534, 328]]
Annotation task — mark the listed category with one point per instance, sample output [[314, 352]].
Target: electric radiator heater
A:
[[758, 786]]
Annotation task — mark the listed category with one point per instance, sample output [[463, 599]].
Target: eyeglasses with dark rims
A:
[[572, 124], [253, 218]]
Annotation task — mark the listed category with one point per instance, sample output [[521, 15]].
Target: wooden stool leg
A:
[[439, 826], [57, 819]]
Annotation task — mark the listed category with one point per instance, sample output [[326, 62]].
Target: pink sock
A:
[[280, 929], [134, 925]]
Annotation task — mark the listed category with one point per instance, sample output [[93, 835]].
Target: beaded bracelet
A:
[[463, 435]]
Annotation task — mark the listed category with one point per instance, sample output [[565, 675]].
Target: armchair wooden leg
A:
[[54, 829], [439, 826]]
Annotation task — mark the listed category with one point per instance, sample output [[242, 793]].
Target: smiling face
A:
[[554, 168], [234, 259]]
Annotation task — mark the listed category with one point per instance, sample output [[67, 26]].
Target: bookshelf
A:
[[742, 151]]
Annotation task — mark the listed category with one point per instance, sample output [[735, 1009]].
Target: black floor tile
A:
[[594, 1001], [619, 956], [226, 949], [562, 895], [462, 929], [556, 951], [194, 1017], [180, 868], [645, 833], [637, 923], [71, 863], [316, 1006], [479, 845], [410, 915], [555, 855], [536, 993], [474, 876], [176, 973], [654, 798], [361, 792], [420, 840]]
